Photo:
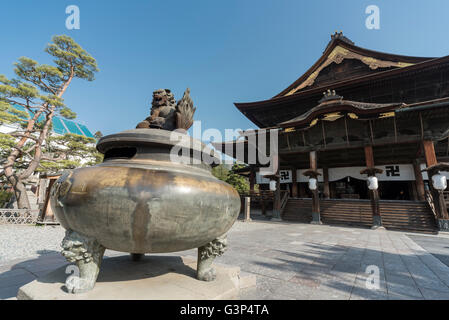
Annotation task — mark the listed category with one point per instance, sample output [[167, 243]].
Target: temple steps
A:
[[396, 215]]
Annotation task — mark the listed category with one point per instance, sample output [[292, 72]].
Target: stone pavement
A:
[[302, 261]]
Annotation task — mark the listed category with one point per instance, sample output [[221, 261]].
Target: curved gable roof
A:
[[340, 49]]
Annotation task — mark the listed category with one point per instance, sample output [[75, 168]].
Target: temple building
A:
[[368, 129]]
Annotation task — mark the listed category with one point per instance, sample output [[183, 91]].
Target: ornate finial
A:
[[330, 95], [340, 36]]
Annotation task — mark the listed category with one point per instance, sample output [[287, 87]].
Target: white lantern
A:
[[373, 183], [273, 185], [312, 184], [439, 182]]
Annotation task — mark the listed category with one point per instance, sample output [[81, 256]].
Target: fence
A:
[[18, 216]]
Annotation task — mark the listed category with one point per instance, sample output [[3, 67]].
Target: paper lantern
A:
[[312, 184], [439, 182], [372, 183]]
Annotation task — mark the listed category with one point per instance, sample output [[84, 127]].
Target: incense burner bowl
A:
[[146, 197]]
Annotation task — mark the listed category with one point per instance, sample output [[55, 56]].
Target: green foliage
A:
[[8, 114], [69, 53], [42, 84], [237, 181], [5, 196], [67, 113], [39, 89], [68, 152], [220, 172]]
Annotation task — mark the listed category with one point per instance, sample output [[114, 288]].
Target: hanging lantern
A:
[[372, 183], [439, 182], [312, 184], [272, 185]]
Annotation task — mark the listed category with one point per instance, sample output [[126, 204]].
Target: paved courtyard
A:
[[291, 261]]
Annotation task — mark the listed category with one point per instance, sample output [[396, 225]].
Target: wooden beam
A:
[[326, 190], [44, 214], [421, 126], [313, 160], [373, 194], [316, 219], [395, 130], [324, 133], [371, 130], [294, 184], [429, 152], [419, 180], [346, 130], [369, 156], [252, 179]]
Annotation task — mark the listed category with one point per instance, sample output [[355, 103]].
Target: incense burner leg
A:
[[87, 253], [136, 256], [206, 255]]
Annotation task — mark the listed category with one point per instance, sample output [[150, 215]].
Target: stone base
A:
[[443, 225], [316, 218], [377, 223], [151, 278]]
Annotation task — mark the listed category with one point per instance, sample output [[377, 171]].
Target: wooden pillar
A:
[[294, 184], [326, 190], [429, 153], [313, 160], [277, 194], [316, 219], [374, 194], [252, 179], [419, 180], [438, 197], [369, 156], [47, 213], [302, 191], [277, 199], [263, 206]]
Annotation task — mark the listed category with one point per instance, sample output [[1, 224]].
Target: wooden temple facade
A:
[[371, 128]]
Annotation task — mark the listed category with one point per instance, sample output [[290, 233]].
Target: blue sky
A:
[[225, 51]]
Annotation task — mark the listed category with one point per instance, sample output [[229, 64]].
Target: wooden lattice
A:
[[431, 203], [18, 216]]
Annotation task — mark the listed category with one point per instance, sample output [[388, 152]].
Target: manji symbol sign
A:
[[285, 175], [392, 171]]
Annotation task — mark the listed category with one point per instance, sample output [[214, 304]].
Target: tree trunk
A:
[[21, 196], [17, 180]]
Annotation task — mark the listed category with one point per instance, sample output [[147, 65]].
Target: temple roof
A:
[[344, 67], [339, 50], [333, 106]]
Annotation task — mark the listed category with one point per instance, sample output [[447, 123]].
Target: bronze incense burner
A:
[[141, 201]]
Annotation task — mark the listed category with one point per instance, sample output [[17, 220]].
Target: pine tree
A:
[[39, 89], [69, 151], [237, 181]]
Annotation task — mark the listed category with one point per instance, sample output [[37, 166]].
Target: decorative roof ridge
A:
[[342, 105], [340, 36], [338, 39], [428, 63]]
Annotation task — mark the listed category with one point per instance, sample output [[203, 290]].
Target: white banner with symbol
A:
[[393, 172]]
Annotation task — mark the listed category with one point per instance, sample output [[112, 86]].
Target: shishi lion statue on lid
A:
[[167, 114]]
